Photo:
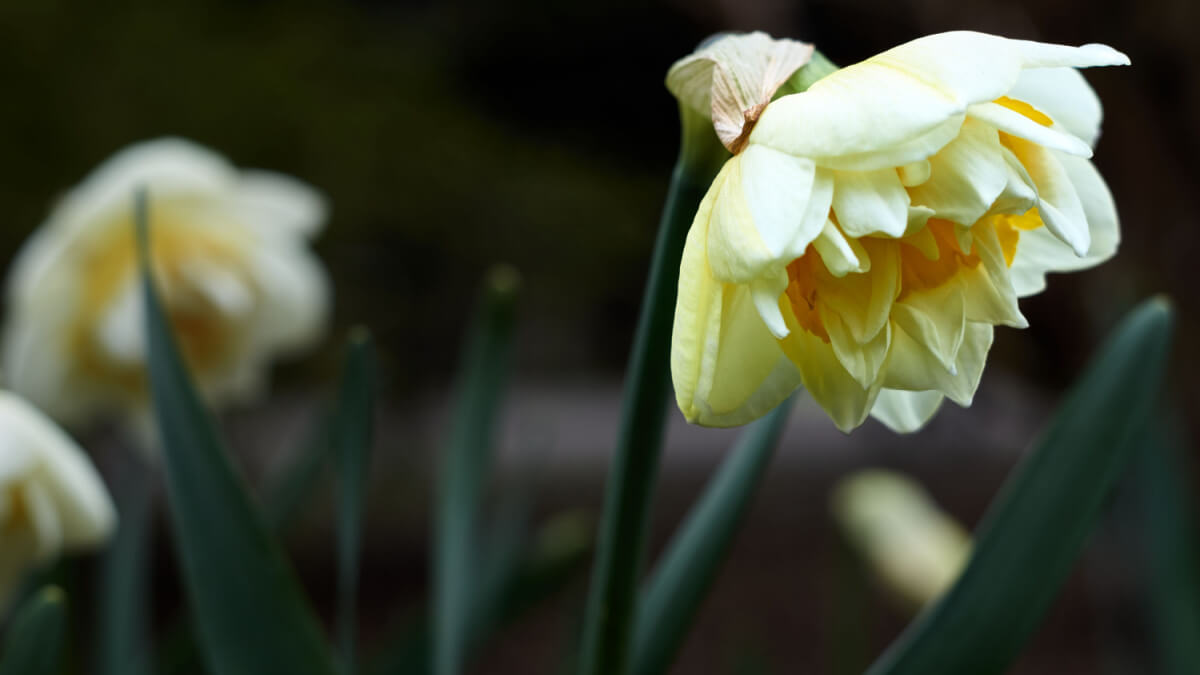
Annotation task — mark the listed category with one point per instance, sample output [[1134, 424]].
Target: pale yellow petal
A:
[[869, 202], [937, 318], [912, 367], [864, 300], [966, 177], [906, 411], [1014, 123], [1058, 202], [825, 379], [841, 255]]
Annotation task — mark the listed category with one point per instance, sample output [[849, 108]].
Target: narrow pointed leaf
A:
[[690, 564], [33, 644], [1173, 546], [351, 434], [290, 487], [1036, 527], [465, 463], [123, 621], [249, 608]]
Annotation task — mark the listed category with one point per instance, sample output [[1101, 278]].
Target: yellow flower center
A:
[[802, 292], [919, 273], [204, 333]]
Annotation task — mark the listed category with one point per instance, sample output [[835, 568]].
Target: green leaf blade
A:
[[249, 608], [465, 464], [680, 583], [34, 643], [351, 434], [1039, 523]]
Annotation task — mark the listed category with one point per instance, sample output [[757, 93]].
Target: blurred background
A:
[[452, 135]]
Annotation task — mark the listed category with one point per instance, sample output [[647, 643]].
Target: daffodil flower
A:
[[870, 231], [230, 250], [51, 498]]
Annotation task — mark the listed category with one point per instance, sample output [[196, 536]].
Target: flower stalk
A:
[[619, 557]]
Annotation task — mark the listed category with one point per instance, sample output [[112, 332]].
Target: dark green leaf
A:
[[507, 591], [249, 608], [1038, 524], [690, 564], [290, 487], [34, 642], [1174, 549], [123, 623], [465, 463], [351, 437]]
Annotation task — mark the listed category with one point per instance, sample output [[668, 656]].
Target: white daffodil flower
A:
[[870, 231], [51, 498], [230, 251]]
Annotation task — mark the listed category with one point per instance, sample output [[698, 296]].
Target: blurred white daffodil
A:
[[911, 545], [870, 230], [230, 251], [51, 498]]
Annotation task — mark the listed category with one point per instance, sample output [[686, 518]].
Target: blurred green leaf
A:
[[690, 564], [351, 434], [251, 614], [34, 643], [465, 463], [1042, 517], [510, 585], [612, 597], [290, 487], [1173, 542], [122, 622]]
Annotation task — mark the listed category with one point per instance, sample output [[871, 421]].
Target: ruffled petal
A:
[[827, 381], [841, 255], [726, 366], [937, 318], [906, 411], [966, 176], [912, 367], [1058, 202], [1014, 123], [908, 91], [863, 301], [1039, 251], [768, 207], [869, 202], [1064, 95]]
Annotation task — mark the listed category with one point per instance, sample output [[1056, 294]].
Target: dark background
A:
[[449, 136]]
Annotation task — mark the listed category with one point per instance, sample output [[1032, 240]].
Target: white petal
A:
[[275, 204], [1019, 193], [911, 151], [966, 177], [1039, 251], [43, 520], [1064, 95], [1058, 202], [908, 91], [223, 288], [840, 254], [869, 202], [767, 209], [906, 411], [294, 298], [1012, 122], [79, 498]]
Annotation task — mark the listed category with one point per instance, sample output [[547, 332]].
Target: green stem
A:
[[613, 593]]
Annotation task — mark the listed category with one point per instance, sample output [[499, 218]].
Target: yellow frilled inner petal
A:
[[802, 292]]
